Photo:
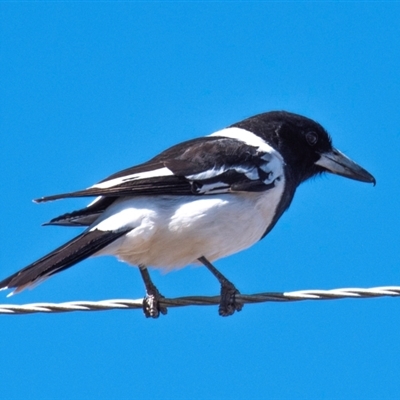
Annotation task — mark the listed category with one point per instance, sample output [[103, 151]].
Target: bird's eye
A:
[[312, 138]]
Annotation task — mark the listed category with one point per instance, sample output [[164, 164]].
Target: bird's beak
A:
[[337, 163]]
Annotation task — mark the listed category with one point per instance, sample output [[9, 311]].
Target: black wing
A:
[[85, 216], [201, 166]]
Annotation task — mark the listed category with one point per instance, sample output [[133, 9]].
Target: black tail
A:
[[66, 256]]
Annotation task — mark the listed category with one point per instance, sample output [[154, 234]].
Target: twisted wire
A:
[[126, 304]]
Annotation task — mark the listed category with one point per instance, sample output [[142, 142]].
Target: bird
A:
[[196, 202]]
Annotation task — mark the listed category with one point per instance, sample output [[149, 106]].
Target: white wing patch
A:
[[141, 175], [210, 173], [252, 173], [217, 187], [222, 187]]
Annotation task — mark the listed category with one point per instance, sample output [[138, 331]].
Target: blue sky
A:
[[89, 88]]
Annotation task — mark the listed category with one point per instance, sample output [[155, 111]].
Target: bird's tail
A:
[[66, 256]]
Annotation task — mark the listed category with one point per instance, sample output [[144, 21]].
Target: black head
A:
[[304, 145]]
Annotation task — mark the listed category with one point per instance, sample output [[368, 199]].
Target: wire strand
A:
[[128, 304]]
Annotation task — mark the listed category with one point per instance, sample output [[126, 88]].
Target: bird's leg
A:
[[151, 302], [228, 304]]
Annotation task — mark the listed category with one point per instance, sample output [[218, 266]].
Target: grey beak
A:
[[337, 163]]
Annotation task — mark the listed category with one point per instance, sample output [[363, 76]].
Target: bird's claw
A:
[[151, 304], [228, 304]]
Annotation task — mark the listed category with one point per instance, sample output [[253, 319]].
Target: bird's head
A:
[[305, 146]]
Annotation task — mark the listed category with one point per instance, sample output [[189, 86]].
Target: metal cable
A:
[[124, 304]]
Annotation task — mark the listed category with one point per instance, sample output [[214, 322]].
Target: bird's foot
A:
[[151, 304], [228, 304]]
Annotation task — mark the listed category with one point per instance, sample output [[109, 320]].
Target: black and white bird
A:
[[196, 202]]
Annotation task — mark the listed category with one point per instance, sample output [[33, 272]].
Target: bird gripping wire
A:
[[126, 304]]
